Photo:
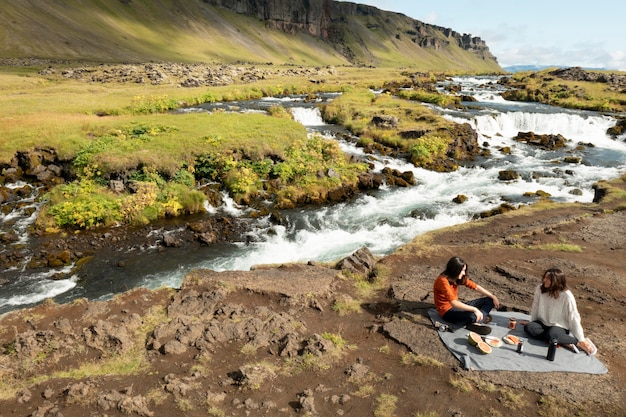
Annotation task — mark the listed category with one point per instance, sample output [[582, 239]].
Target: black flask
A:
[[551, 350]]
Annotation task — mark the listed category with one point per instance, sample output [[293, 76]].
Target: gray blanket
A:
[[533, 358]]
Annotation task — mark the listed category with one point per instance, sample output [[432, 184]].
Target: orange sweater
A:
[[446, 293]]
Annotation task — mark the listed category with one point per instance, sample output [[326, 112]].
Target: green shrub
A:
[[153, 104], [147, 174], [184, 177], [428, 148], [84, 206]]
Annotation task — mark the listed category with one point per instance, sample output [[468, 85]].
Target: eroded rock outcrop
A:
[[327, 19]]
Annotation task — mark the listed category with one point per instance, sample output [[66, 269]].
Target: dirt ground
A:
[[287, 340]]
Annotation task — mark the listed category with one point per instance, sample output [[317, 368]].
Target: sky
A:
[[570, 33]]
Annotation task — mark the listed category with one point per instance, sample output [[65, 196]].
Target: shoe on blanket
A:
[[588, 346], [480, 329]]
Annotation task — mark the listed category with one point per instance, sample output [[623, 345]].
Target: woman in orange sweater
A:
[[471, 314]]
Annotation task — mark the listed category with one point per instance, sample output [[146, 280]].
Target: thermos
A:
[[551, 350]]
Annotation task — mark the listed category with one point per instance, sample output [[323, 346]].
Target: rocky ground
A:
[[318, 340]]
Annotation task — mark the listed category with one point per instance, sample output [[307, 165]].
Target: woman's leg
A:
[[484, 304], [536, 330], [462, 317], [561, 336]]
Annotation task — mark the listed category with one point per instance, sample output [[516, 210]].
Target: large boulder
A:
[[360, 262]]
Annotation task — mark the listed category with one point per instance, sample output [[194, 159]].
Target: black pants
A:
[[538, 330], [456, 315]]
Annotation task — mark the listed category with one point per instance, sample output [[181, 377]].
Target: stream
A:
[[382, 220]]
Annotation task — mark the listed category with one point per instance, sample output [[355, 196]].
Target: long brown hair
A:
[[453, 269], [557, 282]]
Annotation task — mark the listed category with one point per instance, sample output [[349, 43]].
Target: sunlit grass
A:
[[345, 305], [385, 405], [558, 247], [575, 94], [420, 359], [462, 384]]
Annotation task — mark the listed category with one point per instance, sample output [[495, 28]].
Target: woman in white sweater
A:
[[554, 315]]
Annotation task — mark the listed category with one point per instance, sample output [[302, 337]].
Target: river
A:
[[381, 220]]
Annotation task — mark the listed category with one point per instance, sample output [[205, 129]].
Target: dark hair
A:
[[453, 269], [557, 282]]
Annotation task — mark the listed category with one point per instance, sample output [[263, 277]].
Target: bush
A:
[[83, 206], [428, 148]]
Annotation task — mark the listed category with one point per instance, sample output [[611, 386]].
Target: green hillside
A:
[[193, 31]]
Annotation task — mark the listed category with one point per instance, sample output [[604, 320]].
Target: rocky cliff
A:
[[333, 20]]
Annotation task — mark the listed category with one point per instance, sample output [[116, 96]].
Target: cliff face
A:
[[328, 20]]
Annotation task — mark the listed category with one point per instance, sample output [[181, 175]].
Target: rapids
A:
[[382, 220]]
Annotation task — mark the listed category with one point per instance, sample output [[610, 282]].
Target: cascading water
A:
[[390, 217]]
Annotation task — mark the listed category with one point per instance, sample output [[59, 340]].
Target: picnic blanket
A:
[[533, 358]]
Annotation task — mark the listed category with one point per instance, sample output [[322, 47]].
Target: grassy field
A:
[[128, 130], [545, 88]]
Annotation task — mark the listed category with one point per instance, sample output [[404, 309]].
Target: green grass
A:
[[461, 384], [582, 95], [386, 405], [420, 359], [140, 139], [355, 109], [346, 305]]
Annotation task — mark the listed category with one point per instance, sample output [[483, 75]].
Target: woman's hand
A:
[[496, 302], [479, 315]]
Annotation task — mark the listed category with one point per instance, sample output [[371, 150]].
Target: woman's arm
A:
[[496, 302], [534, 310], [573, 317]]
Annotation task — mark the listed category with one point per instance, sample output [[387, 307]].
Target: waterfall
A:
[[576, 127], [307, 116]]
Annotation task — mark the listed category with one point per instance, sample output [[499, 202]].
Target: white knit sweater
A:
[[560, 312]]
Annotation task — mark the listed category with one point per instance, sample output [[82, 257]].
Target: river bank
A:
[[296, 339]]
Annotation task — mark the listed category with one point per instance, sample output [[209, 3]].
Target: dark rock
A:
[[370, 181], [413, 134], [360, 262], [503, 208], [460, 199], [385, 121], [171, 241], [548, 141], [508, 175], [571, 160]]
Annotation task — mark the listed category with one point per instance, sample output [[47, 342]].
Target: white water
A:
[[34, 288], [385, 220], [391, 217]]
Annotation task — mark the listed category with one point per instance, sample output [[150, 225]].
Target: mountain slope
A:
[[304, 32]]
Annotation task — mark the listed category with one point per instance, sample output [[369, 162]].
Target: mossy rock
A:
[[508, 175], [460, 199]]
